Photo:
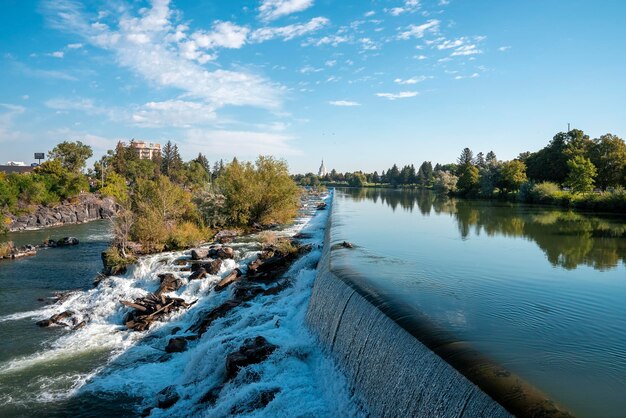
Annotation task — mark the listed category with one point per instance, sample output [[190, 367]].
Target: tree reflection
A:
[[568, 239]]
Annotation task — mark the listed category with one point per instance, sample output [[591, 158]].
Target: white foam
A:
[[308, 380]]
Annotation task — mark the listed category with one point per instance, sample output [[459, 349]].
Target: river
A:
[[104, 369], [538, 290]]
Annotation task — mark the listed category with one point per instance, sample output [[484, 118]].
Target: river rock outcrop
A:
[[82, 208]]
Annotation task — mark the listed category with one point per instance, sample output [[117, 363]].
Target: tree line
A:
[[165, 202]]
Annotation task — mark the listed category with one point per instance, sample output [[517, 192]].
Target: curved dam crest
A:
[[393, 371]]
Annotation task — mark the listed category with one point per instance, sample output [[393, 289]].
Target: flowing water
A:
[[538, 290], [104, 369]]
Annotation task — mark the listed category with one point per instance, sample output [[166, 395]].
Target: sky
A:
[[361, 84]]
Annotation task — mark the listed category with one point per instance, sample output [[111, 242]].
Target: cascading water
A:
[[394, 373], [106, 369]]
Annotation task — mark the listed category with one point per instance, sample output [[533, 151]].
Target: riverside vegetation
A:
[[163, 203], [573, 171]]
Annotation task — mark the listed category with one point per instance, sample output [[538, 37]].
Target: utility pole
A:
[[568, 129]]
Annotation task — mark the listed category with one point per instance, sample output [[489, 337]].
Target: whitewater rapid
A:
[[115, 363]]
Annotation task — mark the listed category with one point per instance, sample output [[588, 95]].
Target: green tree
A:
[[608, 154], [71, 155], [512, 175], [469, 180], [358, 179], [466, 157], [259, 193], [582, 174], [115, 186]]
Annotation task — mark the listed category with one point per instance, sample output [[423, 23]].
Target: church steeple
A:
[[322, 170]]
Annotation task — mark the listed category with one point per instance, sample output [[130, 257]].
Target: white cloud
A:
[[82, 104], [420, 57], [412, 80], [290, 31], [57, 54], [370, 13], [176, 113], [418, 31], [504, 48], [273, 9], [461, 77], [330, 63], [75, 46], [307, 69], [147, 45], [466, 50], [409, 6], [395, 96], [332, 40], [346, 103], [25, 97], [246, 144]]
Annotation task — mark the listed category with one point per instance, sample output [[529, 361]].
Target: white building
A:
[[322, 171]]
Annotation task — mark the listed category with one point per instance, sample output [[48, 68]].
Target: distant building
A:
[[145, 150], [16, 169], [322, 171]]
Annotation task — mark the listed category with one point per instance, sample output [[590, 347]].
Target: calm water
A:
[[540, 291]]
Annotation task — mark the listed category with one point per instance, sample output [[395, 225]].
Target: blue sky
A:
[[362, 84]]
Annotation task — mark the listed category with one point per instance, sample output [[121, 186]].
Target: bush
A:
[[6, 248], [259, 193], [114, 262], [186, 235]]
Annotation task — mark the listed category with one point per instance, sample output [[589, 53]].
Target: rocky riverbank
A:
[[83, 208], [10, 252]]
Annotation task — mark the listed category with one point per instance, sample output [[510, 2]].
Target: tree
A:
[[512, 175], [491, 159], [582, 174], [262, 192], [171, 162], [425, 173], [204, 162], [466, 157], [358, 179], [115, 186], [608, 154], [480, 160], [445, 182], [393, 175], [375, 178], [468, 180], [71, 155]]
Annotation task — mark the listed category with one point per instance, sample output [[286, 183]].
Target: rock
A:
[[234, 275], [218, 312], [226, 235], [167, 397], [321, 206], [346, 244], [55, 319], [199, 253], [225, 252], [214, 266], [67, 241], [257, 401], [150, 308], [245, 290], [212, 395], [253, 351], [176, 345], [169, 283], [201, 273]]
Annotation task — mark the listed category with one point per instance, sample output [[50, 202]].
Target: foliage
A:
[[445, 182], [468, 183], [6, 248], [71, 155], [115, 262], [186, 235], [466, 157], [259, 193], [115, 187], [582, 174], [512, 175], [358, 180]]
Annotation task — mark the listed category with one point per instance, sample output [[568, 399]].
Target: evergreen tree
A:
[[480, 160], [466, 157], [491, 159]]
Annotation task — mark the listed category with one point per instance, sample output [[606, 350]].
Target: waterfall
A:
[[391, 370]]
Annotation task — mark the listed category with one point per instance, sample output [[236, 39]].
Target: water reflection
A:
[[567, 238]]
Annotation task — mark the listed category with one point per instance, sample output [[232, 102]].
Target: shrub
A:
[[6, 248], [114, 262], [186, 235], [259, 193]]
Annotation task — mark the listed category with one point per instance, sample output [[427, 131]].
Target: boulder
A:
[[201, 273], [226, 235], [253, 351], [218, 312], [232, 276], [67, 241], [176, 345], [199, 253], [169, 283], [225, 252], [256, 401], [167, 397]]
